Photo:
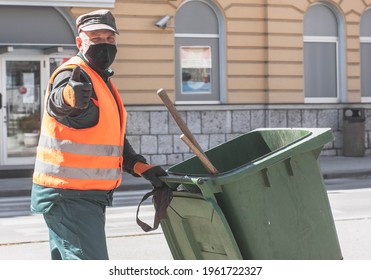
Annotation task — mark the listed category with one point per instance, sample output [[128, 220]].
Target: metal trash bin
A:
[[354, 132], [268, 201]]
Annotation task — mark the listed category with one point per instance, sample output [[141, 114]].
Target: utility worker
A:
[[82, 149]]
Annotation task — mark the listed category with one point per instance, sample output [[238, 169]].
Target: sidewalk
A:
[[331, 166], [343, 167]]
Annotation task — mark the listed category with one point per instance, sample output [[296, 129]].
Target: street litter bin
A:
[[354, 132], [268, 200]]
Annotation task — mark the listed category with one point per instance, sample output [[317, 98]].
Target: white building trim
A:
[[61, 3]]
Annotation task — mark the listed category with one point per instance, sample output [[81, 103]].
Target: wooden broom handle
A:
[[178, 119], [187, 135], [203, 158]]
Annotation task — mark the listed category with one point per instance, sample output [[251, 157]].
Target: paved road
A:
[[349, 200], [22, 231], [351, 208]]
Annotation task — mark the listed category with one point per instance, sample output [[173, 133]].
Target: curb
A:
[[15, 173], [347, 174]]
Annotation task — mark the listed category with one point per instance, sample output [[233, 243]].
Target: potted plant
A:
[[30, 126]]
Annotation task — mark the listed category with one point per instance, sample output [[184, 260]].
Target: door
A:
[[21, 89]]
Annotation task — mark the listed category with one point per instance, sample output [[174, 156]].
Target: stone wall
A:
[[153, 132]]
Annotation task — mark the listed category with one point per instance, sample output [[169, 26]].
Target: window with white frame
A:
[[321, 53], [365, 41], [199, 68]]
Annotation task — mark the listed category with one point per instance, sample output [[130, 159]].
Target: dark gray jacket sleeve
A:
[[88, 117], [131, 158]]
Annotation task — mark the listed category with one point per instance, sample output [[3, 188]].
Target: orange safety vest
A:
[[88, 158]]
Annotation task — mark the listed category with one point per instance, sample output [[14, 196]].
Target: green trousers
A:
[[77, 230]]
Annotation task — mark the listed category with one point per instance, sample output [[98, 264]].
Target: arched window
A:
[[199, 75], [321, 55], [365, 41]]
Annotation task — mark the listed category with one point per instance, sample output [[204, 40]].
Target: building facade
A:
[[230, 66]]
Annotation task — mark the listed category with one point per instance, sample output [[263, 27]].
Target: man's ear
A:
[[79, 43]]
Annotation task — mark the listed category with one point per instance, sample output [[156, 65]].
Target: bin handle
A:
[[176, 179]]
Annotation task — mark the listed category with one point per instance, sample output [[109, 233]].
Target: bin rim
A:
[[299, 146]]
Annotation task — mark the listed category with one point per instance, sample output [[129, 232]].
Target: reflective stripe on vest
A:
[[86, 149], [77, 173], [83, 159]]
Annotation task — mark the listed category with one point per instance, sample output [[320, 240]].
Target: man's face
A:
[[87, 38]]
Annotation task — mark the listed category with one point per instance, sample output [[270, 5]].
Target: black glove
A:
[[77, 94], [150, 173]]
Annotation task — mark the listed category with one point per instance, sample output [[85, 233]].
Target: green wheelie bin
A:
[[268, 200]]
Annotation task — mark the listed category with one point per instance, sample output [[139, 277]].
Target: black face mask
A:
[[101, 56]]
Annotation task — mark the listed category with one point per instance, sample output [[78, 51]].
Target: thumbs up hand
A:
[[77, 94]]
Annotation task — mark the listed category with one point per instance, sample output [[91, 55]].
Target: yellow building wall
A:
[[264, 49]]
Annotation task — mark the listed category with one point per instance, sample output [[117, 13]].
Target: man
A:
[[82, 148]]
